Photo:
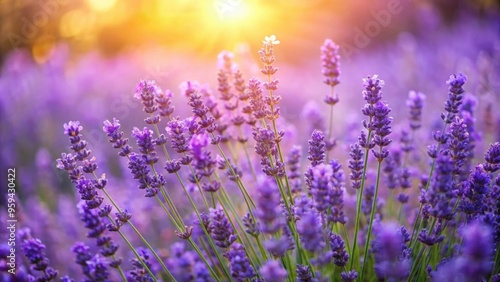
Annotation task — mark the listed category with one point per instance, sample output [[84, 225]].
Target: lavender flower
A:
[[203, 162], [73, 129], [476, 189], [304, 273], [337, 194], [356, 165], [475, 263], [381, 126], [200, 110], [146, 144], [266, 147], [431, 238], [458, 144], [257, 107], [268, 210], [116, 137], [181, 262], [221, 229], [339, 253], [455, 96], [317, 148], [34, 251], [98, 268], [273, 271], [415, 103], [349, 276], [83, 255], [309, 228], [146, 91], [140, 170], [330, 62], [251, 226], [239, 263], [387, 252], [373, 86], [293, 169], [391, 172], [492, 157], [140, 274], [440, 195], [164, 103], [321, 186], [176, 129], [92, 220]]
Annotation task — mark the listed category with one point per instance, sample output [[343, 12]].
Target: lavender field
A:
[[250, 141]]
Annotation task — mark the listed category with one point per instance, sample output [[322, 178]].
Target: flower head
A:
[[271, 40]]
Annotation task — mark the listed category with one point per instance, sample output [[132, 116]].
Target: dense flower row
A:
[[268, 214]]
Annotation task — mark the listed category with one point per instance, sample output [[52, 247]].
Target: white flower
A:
[[271, 40]]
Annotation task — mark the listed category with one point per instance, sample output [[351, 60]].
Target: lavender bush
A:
[[225, 191]]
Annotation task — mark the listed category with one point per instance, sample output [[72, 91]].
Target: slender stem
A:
[[249, 201], [330, 123], [139, 234], [346, 240], [247, 155], [195, 247], [135, 252], [416, 263], [358, 199], [372, 214]]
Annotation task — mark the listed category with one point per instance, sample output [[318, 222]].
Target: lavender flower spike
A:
[[382, 126], [309, 228], [221, 230], [34, 251], [146, 91], [415, 103], [356, 165], [273, 271], [268, 210], [492, 158], [330, 62], [455, 96], [476, 261], [317, 148], [239, 263], [339, 254], [387, 249], [373, 86]]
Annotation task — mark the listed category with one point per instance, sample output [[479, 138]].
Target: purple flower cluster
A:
[[296, 208], [34, 251], [221, 229], [239, 263]]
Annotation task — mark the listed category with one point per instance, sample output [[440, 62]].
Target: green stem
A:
[[195, 247], [330, 123], [136, 254], [358, 199], [372, 215]]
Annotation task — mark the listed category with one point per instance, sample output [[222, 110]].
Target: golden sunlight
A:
[[101, 5]]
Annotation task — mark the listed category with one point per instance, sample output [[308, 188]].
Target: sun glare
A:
[[101, 5]]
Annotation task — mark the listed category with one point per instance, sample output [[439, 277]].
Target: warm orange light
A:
[[73, 23], [101, 5], [43, 48]]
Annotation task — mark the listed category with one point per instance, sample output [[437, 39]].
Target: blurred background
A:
[[63, 60], [112, 27]]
